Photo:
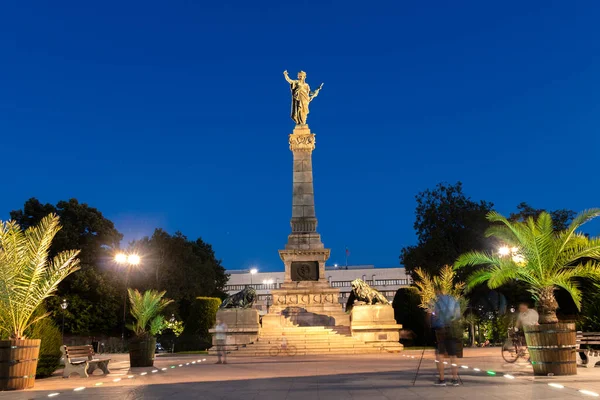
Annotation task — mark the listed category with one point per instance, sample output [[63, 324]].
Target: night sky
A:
[[176, 114]]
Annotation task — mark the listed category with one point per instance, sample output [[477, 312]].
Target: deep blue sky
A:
[[176, 114]]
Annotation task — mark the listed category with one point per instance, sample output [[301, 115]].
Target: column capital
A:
[[301, 139]]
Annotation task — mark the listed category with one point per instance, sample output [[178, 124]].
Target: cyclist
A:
[[283, 341], [527, 316]]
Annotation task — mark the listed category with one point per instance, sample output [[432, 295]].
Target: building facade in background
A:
[[386, 280]]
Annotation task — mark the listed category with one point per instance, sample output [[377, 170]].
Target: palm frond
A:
[[27, 277], [145, 308]]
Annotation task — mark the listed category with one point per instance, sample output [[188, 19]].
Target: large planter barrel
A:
[[141, 352], [552, 348], [18, 362]]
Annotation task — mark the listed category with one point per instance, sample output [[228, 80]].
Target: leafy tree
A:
[[543, 258], [184, 268], [560, 218], [448, 223]]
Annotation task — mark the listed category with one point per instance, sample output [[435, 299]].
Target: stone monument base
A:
[[375, 324], [306, 306], [242, 328]]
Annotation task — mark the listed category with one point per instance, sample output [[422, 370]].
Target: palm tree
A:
[[542, 258], [146, 308], [27, 275], [427, 286]]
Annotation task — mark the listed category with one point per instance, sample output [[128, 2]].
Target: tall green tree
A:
[[184, 268], [560, 218], [95, 293], [447, 224], [543, 258]]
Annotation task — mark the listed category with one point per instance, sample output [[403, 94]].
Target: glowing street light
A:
[[128, 260], [253, 271], [121, 258], [504, 251]]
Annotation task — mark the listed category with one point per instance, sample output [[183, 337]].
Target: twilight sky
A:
[[176, 114]]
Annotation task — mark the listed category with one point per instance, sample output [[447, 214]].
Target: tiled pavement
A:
[[370, 377]]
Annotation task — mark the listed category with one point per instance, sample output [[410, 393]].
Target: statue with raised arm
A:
[[301, 97]]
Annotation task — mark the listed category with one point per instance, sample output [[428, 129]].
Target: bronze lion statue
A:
[[242, 299], [364, 293]]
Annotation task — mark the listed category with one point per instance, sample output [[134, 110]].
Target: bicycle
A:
[[514, 347], [288, 350]]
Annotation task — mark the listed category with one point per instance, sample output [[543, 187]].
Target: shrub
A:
[[49, 358], [201, 318]]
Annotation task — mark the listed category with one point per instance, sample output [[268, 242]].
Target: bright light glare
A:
[[121, 258], [133, 259], [504, 251], [476, 369], [253, 271], [454, 365], [129, 376], [514, 249], [143, 373], [53, 394], [556, 385], [589, 393], [99, 383], [78, 389], [154, 371], [507, 376], [163, 369], [116, 379], [464, 366]]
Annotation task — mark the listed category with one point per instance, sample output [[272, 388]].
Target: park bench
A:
[[80, 360], [592, 356]]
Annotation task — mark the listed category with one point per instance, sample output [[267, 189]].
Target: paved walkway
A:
[[372, 377]]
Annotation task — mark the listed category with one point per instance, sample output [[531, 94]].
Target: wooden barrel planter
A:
[[18, 362], [552, 348], [141, 352]]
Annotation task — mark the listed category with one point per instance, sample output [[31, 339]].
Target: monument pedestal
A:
[[375, 324], [242, 328]]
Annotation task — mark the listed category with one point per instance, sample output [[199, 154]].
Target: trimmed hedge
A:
[[49, 358], [201, 318]]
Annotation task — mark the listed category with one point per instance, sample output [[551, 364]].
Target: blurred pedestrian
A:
[[221, 336], [446, 322]]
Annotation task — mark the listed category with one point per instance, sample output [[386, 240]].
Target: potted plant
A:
[[27, 277], [544, 260], [145, 309], [427, 287]]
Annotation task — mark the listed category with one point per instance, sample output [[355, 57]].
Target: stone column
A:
[[304, 243]]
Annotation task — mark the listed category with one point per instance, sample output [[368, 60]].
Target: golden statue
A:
[[301, 96]]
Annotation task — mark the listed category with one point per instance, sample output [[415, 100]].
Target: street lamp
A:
[[252, 272], [128, 260], [64, 306], [268, 283]]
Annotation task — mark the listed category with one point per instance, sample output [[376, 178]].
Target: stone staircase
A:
[[308, 340]]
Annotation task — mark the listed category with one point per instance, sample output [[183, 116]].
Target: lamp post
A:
[[268, 283], [253, 271], [172, 321], [64, 306], [127, 260]]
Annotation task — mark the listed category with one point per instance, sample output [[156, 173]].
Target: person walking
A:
[[221, 336], [446, 323]]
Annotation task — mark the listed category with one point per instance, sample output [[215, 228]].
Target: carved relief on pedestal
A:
[[302, 142]]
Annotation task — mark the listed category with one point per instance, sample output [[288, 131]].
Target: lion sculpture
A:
[[242, 299], [364, 293]]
